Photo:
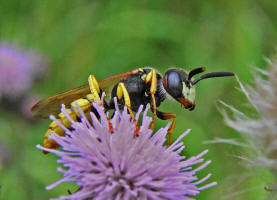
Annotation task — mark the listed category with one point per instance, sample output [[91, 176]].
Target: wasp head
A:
[[181, 85]]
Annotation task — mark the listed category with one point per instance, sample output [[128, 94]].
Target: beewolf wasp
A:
[[131, 89]]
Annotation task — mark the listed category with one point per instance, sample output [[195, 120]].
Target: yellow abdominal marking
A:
[[84, 104]]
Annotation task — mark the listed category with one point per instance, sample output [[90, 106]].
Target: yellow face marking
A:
[[189, 94], [140, 69]]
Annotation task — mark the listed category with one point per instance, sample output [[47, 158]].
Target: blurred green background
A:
[[110, 37]]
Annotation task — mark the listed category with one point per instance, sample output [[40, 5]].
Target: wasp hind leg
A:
[[167, 116], [95, 92], [121, 92], [94, 88]]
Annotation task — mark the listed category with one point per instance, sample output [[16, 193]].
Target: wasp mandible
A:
[[131, 89]]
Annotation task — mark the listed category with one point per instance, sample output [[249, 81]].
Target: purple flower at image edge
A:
[[18, 69], [119, 165]]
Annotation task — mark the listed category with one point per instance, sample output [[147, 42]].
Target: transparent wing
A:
[[51, 105]]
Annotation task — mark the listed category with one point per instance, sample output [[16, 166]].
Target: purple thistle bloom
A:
[[119, 165], [18, 69]]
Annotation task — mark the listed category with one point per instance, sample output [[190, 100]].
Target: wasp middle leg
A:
[[121, 91]]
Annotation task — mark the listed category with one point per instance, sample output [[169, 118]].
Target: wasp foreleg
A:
[[151, 78]]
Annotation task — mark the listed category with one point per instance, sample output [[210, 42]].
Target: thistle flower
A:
[[120, 165], [18, 69], [261, 131]]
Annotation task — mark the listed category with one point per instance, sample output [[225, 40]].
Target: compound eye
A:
[[174, 84]]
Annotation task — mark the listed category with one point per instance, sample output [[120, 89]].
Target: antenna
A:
[[212, 75], [196, 71]]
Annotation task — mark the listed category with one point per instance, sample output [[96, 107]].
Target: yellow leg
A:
[[95, 91], [94, 88], [152, 79], [170, 131], [122, 92]]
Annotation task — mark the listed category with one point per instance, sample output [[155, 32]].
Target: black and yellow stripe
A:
[[86, 106]]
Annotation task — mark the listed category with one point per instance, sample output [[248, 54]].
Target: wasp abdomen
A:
[[86, 106]]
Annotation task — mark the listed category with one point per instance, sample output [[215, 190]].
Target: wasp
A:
[[131, 89]]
